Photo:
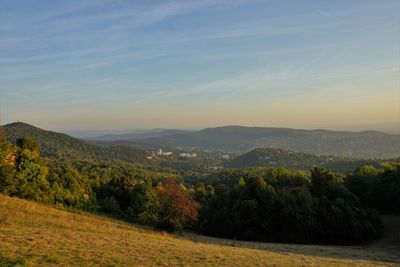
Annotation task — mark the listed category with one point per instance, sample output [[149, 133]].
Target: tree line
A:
[[265, 204]]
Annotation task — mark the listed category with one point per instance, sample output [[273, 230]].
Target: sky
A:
[[102, 65]]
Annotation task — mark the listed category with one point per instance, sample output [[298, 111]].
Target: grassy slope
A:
[[36, 235]]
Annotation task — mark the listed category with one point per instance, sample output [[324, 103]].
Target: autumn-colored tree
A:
[[2, 134], [178, 208]]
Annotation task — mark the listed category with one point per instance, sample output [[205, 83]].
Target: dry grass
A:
[[32, 234]]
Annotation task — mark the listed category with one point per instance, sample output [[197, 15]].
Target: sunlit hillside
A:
[[32, 234]]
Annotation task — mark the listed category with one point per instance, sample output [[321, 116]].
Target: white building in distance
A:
[[188, 155], [160, 152]]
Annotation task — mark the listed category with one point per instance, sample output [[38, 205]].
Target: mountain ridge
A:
[[137, 135], [319, 142], [366, 144], [60, 145]]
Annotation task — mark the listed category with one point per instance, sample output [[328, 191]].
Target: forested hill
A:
[[137, 135], [368, 144], [53, 144], [275, 157]]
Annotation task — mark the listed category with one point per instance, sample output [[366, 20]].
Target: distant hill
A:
[[133, 144], [53, 144], [275, 157], [138, 135], [368, 144]]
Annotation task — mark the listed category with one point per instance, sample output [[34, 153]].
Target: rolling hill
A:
[[53, 144], [34, 234], [138, 135], [368, 144], [132, 144], [275, 157]]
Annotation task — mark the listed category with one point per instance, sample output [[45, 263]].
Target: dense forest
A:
[[266, 204], [294, 206]]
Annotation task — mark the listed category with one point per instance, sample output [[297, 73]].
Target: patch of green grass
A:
[[11, 262], [114, 262], [50, 260]]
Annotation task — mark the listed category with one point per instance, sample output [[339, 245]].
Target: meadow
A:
[[34, 234]]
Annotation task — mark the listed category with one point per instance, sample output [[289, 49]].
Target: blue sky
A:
[[141, 64]]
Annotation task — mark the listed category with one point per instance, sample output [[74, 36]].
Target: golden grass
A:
[[32, 234]]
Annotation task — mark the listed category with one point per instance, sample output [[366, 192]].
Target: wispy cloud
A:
[[324, 13], [131, 54]]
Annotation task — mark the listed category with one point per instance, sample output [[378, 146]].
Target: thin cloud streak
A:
[[127, 56]]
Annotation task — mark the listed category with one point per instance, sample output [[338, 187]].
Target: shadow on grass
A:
[[386, 249]]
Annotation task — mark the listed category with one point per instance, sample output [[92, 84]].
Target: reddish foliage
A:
[[177, 202], [2, 134]]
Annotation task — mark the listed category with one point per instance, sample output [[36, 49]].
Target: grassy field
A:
[[32, 234]]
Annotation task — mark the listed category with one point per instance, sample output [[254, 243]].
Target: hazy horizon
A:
[[115, 65], [89, 133], [83, 133]]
